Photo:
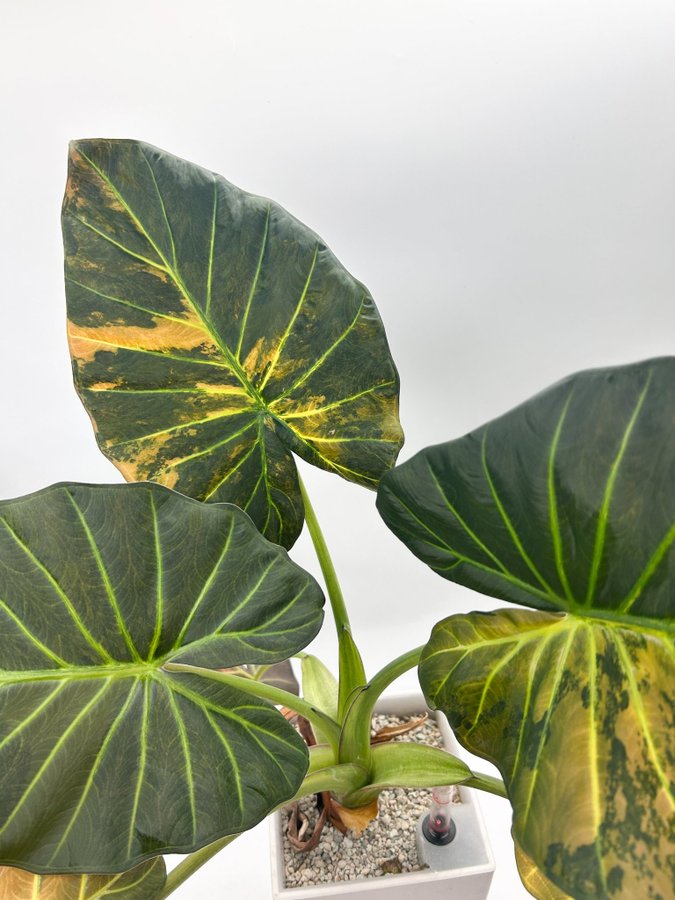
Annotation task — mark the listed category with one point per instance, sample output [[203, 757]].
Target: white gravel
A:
[[386, 846]]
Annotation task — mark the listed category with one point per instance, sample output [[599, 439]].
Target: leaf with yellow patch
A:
[[535, 881], [213, 336], [565, 504], [355, 819], [140, 883]]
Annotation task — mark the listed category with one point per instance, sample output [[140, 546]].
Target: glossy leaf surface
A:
[[140, 883], [106, 758], [565, 504], [212, 334]]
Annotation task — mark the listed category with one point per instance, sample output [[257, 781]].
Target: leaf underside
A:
[[140, 883], [565, 504], [212, 334], [107, 759]]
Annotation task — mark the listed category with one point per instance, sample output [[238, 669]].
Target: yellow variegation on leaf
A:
[[535, 881], [213, 335], [140, 883], [565, 504]]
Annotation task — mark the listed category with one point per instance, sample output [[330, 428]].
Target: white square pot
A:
[[472, 863]]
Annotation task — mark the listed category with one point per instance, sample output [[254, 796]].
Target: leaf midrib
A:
[[231, 357], [233, 363], [117, 671]]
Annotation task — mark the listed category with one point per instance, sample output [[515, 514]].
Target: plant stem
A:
[[337, 601], [190, 865], [266, 691], [488, 783], [351, 672], [355, 738], [389, 673]]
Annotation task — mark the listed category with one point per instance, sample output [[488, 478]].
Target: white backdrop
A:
[[498, 172]]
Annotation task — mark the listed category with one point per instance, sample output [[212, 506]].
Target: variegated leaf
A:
[[535, 881], [565, 504], [106, 757], [212, 334], [140, 883]]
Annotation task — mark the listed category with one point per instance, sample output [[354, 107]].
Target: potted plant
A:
[[213, 336], [460, 870]]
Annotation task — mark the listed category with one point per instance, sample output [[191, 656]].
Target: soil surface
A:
[[387, 846]]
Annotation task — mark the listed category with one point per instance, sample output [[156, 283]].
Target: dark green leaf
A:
[[212, 333], [105, 757], [565, 504]]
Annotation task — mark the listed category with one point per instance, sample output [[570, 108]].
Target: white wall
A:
[[500, 174]]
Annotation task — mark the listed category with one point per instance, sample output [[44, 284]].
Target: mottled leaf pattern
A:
[[140, 883], [106, 758], [535, 881], [212, 333], [578, 717], [565, 504]]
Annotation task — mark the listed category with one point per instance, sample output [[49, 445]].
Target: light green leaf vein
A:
[[234, 762], [212, 447], [169, 230], [593, 761], [550, 706], [185, 744], [205, 589], [648, 571], [159, 353], [554, 520], [330, 464], [638, 707], [289, 328], [138, 439], [28, 719], [509, 524], [95, 768], [230, 472], [307, 413], [61, 594], [159, 615], [532, 671], [209, 275], [49, 760], [603, 516], [507, 576], [247, 599], [474, 537], [494, 671], [35, 641], [106, 237], [142, 760], [232, 363], [254, 284], [186, 323], [121, 624], [322, 359]]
